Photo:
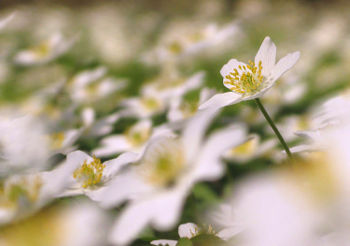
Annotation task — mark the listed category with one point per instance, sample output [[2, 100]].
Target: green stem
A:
[[274, 128]]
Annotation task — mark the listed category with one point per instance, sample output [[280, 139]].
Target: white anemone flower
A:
[[85, 174], [73, 224], [184, 40], [252, 80], [159, 181], [181, 109], [24, 194], [133, 139], [189, 231], [46, 51], [92, 85], [157, 94], [93, 127]]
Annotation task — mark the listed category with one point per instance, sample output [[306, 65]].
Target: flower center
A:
[[20, 190], [42, 49], [150, 103], [245, 79], [56, 140], [163, 162], [89, 174], [138, 137]]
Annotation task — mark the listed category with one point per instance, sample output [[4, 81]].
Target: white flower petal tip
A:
[[220, 100], [188, 230]]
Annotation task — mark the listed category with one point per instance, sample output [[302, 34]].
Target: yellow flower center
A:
[[89, 174], [138, 137], [151, 103], [56, 140], [246, 148], [245, 79], [42, 49], [163, 162]]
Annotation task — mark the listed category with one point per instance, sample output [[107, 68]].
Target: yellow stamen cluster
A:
[[42, 49], [248, 80], [138, 137], [89, 174], [163, 163]]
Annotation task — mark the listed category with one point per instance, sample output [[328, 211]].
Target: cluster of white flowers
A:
[[100, 156]]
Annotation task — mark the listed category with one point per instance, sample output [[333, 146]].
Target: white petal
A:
[[194, 132], [113, 166], [5, 21], [284, 64], [228, 233], [163, 242], [124, 187], [267, 56], [188, 230], [209, 166], [221, 100], [111, 145], [228, 67], [162, 211]]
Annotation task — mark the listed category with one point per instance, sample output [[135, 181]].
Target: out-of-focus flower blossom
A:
[[251, 149], [46, 51], [192, 232], [94, 127], [133, 139], [80, 224], [92, 85], [181, 109], [161, 178], [184, 41], [250, 81], [156, 95]]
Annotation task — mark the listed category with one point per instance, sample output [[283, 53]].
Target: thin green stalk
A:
[[274, 128]]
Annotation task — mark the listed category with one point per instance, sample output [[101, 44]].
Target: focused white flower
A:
[[73, 224], [133, 139], [46, 51], [252, 80], [191, 231], [85, 174], [159, 181]]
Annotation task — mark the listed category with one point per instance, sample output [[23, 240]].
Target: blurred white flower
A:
[[251, 149], [188, 39], [156, 95], [250, 81], [46, 51], [92, 85], [181, 109], [93, 127], [159, 181], [133, 139]]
